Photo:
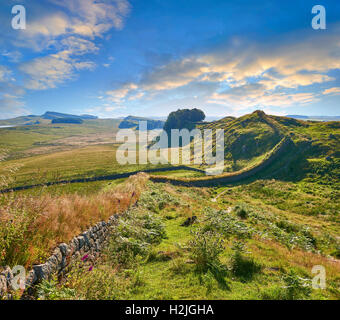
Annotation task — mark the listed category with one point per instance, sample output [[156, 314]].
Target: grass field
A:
[[23, 141], [273, 227], [279, 252]]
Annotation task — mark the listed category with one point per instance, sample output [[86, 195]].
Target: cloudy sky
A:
[[149, 57]]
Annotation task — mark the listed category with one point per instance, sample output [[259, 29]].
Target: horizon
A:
[[160, 117], [149, 58]]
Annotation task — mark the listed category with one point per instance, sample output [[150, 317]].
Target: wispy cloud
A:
[[247, 73], [70, 33], [50, 71], [332, 91], [10, 95]]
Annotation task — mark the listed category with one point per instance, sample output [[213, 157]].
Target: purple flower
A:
[[90, 269], [85, 257]]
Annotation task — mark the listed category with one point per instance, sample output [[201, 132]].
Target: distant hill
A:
[[314, 118], [133, 122], [46, 118], [67, 120], [55, 115]]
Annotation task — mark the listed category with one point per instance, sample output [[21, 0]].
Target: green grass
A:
[[91, 161], [23, 138], [287, 216], [262, 270]]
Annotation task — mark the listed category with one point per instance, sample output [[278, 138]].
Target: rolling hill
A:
[[46, 118]]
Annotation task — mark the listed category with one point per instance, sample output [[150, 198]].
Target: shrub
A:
[[205, 248], [49, 290], [296, 287], [155, 199], [226, 224], [241, 265], [133, 236], [241, 211]]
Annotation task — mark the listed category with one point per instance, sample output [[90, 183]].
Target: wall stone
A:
[[90, 242]]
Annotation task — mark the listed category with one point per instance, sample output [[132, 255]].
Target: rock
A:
[[57, 253], [30, 279], [63, 248], [74, 244], [189, 221], [3, 285], [86, 237], [81, 241], [52, 264], [7, 272], [41, 271]]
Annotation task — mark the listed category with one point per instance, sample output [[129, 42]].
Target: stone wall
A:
[[280, 148], [90, 243]]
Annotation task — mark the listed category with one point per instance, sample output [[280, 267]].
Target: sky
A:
[[113, 58]]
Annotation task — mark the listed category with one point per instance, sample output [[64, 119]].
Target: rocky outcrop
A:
[[90, 243]]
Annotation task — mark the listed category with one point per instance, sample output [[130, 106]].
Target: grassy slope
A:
[[168, 272], [22, 138], [302, 187], [247, 140]]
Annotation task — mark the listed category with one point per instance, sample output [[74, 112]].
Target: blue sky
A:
[[149, 57]]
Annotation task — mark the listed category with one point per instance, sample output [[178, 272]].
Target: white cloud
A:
[[121, 93], [4, 73], [332, 91], [249, 74], [49, 71], [12, 56], [70, 33], [10, 95]]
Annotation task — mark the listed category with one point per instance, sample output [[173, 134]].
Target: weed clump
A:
[[205, 249], [133, 236], [228, 225], [296, 287], [241, 210], [242, 266]]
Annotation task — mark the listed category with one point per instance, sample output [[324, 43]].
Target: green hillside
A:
[[315, 147]]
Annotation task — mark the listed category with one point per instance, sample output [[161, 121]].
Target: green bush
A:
[[296, 287], [133, 236], [49, 290], [242, 266], [228, 225], [205, 249], [241, 210]]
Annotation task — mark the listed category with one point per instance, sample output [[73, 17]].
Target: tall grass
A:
[[30, 227]]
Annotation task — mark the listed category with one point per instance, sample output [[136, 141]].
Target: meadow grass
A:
[[259, 266], [31, 226]]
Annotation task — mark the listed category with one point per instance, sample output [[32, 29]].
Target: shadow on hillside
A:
[[291, 167]]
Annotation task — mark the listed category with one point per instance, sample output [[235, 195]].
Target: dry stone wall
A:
[[280, 148], [90, 243]]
